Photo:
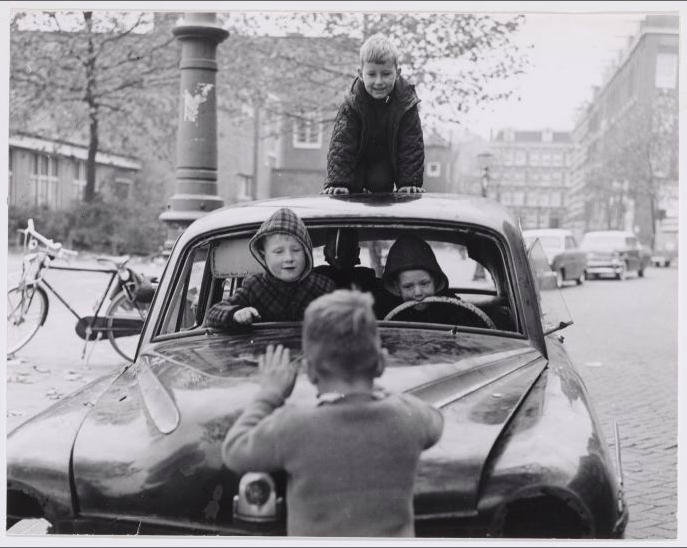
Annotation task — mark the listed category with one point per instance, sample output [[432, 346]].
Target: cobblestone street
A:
[[624, 343]]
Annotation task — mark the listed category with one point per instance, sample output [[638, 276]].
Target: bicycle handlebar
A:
[[55, 247]]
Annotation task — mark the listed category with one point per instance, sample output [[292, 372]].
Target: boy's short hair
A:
[[378, 49], [340, 334]]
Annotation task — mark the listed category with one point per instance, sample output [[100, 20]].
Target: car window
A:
[[631, 242], [601, 242], [570, 242], [183, 311], [554, 312]]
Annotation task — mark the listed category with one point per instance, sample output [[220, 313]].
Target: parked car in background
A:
[[615, 253], [567, 260], [522, 454], [665, 243]]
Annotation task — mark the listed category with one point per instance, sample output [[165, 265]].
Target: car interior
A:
[[472, 260]]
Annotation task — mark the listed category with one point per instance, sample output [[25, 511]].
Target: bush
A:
[[124, 227]]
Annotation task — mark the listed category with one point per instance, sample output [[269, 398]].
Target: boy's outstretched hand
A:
[[410, 190], [277, 373]]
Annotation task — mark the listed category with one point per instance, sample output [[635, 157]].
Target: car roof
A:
[[404, 207]]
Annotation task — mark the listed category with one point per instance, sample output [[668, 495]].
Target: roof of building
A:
[[72, 150]]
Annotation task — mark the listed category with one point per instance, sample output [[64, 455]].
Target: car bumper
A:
[[608, 269]]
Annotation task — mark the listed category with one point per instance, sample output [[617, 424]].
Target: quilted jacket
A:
[[351, 135]]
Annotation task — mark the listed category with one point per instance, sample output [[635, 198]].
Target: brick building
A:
[[528, 173], [610, 189]]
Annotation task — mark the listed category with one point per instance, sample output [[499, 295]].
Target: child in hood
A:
[[412, 273], [283, 247]]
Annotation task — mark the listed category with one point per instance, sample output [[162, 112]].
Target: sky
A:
[[569, 56]]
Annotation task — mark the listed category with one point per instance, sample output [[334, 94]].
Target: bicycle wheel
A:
[[124, 324], [27, 308]]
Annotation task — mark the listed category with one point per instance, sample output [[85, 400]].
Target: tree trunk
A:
[[89, 190]]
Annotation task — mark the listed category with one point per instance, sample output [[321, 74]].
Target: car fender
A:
[[39, 451]]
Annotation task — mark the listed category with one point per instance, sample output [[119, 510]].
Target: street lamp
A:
[[196, 162], [484, 160]]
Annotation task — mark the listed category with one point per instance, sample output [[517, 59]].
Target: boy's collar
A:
[[333, 397]]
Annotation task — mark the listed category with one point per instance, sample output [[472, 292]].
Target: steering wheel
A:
[[486, 320]]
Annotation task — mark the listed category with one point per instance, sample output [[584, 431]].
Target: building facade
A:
[[624, 173], [528, 173], [50, 173]]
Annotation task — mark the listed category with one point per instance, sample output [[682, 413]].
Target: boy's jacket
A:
[[351, 135]]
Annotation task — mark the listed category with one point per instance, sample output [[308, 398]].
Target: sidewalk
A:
[[50, 366]]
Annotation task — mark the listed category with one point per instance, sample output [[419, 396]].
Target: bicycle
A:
[[130, 294]]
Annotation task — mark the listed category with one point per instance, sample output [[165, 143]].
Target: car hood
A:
[[192, 390]]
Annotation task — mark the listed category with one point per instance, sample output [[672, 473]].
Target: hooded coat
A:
[[352, 134], [274, 299]]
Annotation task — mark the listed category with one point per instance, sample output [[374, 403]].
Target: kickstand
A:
[[97, 338]]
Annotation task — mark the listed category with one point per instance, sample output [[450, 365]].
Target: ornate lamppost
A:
[[196, 160]]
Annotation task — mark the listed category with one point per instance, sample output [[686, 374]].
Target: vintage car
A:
[[567, 261], [615, 253], [665, 243], [522, 454]]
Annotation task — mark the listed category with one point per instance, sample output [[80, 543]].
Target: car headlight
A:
[[257, 499]]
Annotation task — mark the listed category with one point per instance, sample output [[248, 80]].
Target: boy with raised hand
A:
[[351, 460], [377, 141], [283, 247]]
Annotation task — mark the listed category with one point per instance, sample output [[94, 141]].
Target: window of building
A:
[[246, 190], [544, 200], [666, 70], [520, 157], [506, 198], [532, 199], [518, 198], [307, 131], [79, 179], [555, 199], [534, 158], [529, 219], [507, 157], [44, 178], [433, 169], [546, 158], [557, 159]]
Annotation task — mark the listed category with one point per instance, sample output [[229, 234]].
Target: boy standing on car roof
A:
[[351, 460], [283, 247], [377, 139]]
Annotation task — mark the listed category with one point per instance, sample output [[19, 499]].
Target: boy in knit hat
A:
[[351, 460], [282, 246], [377, 138]]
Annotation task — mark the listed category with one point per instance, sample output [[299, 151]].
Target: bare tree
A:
[[109, 72]]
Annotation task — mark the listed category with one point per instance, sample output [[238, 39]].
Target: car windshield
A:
[[602, 241], [479, 293]]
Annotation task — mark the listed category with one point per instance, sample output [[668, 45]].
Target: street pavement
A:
[[623, 342]]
